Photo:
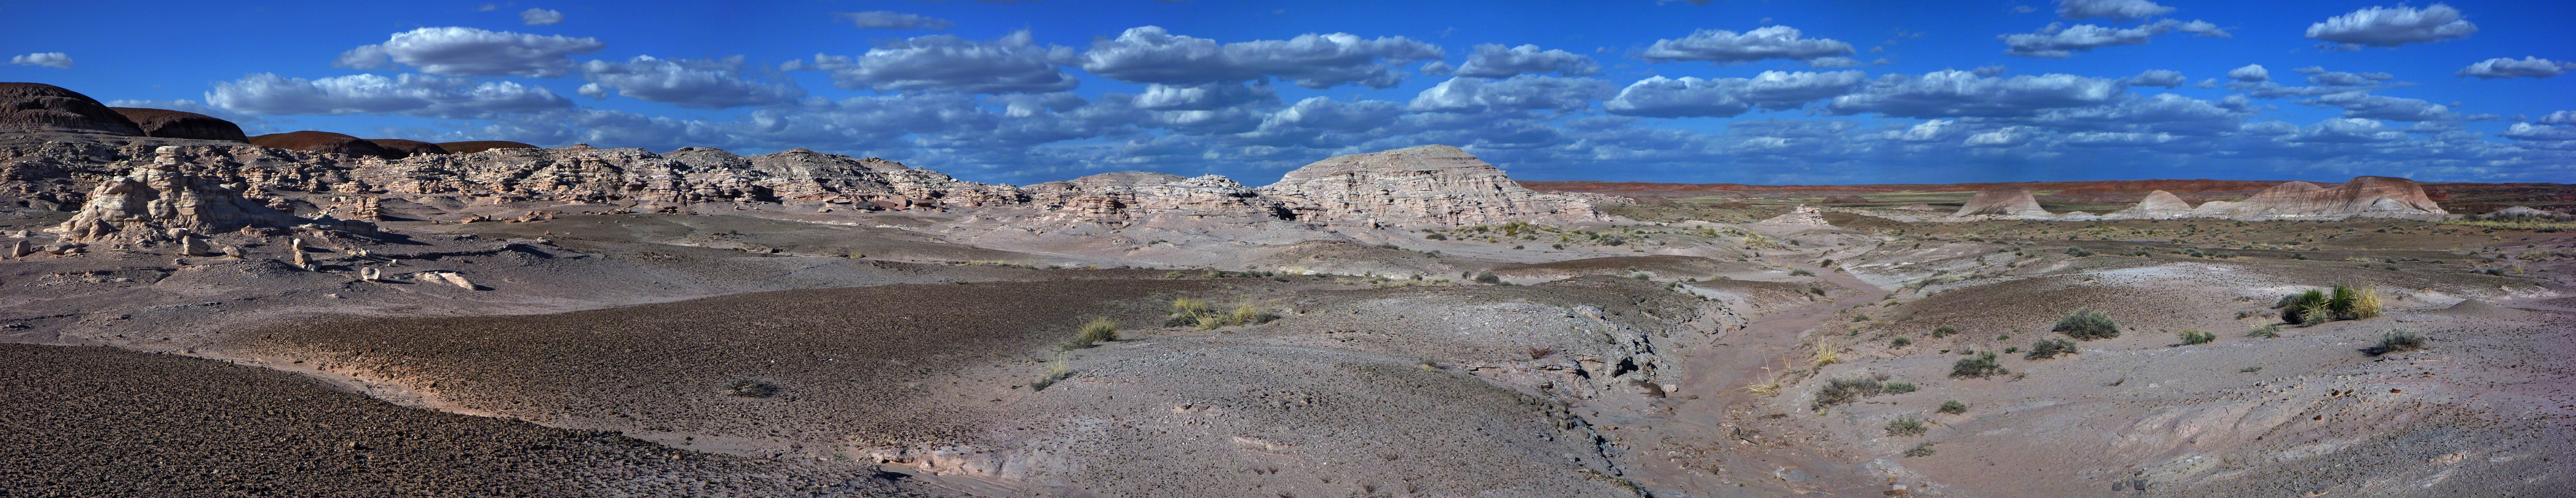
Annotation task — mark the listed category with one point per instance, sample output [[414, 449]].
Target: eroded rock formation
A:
[[2004, 202], [408, 148], [2159, 205], [323, 141], [157, 200], [2367, 196], [1431, 185], [165, 123], [473, 146], [38, 107]]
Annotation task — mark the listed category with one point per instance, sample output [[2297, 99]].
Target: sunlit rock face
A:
[[1432, 185]]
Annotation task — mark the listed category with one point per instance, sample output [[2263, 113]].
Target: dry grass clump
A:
[[2195, 336], [2088, 324], [1920, 450], [2271, 331], [1056, 371], [2398, 341], [1189, 312], [1099, 330], [2049, 348], [1981, 366], [1954, 407], [749, 388], [1943, 332]]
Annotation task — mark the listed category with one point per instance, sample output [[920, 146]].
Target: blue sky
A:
[[1632, 90]]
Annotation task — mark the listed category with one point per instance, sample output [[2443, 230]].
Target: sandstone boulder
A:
[[38, 107], [323, 141], [1432, 185], [145, 205], [165, 123], [473, 146], [2003, 202]]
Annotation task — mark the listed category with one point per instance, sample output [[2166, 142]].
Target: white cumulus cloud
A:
[[456, 51], [2527, 67], [1150, 54], [408, 94], [1015, 63], [57, 60], [1497, 61], [540, 17], [2393, 26], [703, 84], [1728, 47]]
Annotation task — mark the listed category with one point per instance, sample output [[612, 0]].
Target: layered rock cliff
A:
[[2367, 196], [1431, 185]]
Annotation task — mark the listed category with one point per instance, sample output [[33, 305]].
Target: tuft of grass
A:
[[1900, 342], [2305, 308], [2195, 336], [1954, 407], [1920, 450], [1943, 332], [1099, 330], [1196, 313], [750, 388], [1981, 366], [2049, 348], [2398, 341], [1186, 311], [1828, 356], [1056, 370], [2271, 331], [1899, 388], [1907, 425], [1801, 272], [1840, 391], [2087, 324]]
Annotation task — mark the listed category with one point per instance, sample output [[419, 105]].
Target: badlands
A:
[[189, 311]]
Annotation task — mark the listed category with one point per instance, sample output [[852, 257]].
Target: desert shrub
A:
[[1920, 450], [1954, 407], [1860, 318], [1943, 332], [2398, 341], [2195, 336], [2267, 331], [1186, 312], [1840, 391], [750, 388], [1816, 290], [2087, 324], [2298, 308], [1899, 388], [1907, 425], [2012, 349], [2353, 303], [1436, 237], [2049, 348], [1981, 366], [1900, 342], [1488, 278], [1801, 272]]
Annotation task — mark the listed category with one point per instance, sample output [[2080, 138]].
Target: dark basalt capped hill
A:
[[165, 123], [473, 146], [323, 141], [409, 147], [38, 107]]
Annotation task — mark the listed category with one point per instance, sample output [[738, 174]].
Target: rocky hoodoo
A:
[[2367, 196], [2159, 205], [165, 123], [156, 203], [2003, 202], [1432, 185], [473, 146], [38, 107], [408, 148], [323, 141]]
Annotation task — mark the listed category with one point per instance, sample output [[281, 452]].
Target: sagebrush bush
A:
[[2088, 324], [1899, 388], [1981, 366], [2195, 336], [1943, 332], [1801, 272], [2267, 331], [1840, 391], [1900, 342], [1954, 407], [1907, 425], [2398, 341]]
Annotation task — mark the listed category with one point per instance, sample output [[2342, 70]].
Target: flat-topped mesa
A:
[[2367, 197], [1432, 185], [2003, 202], [2159, 205], [157, 202]]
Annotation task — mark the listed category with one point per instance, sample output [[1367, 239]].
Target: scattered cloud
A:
[[2058, 41], [540, 17], [1662, 97], [878, 19], [57, 60], [702, 84], [2154, 77], [2112, 9], [2249, 73], [1207, 97], [1150, 54], [2528, 67], [1015, 63], [1955, 93], [1728, 47], [457, 51], [1525, 92], [2392, 26], [2558, 118], [2381, 107], [407, 94], [1497, 61], [1437, 68], [2321, 76]]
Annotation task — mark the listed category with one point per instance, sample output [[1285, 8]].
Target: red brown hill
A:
[[409, 147], [323, 141], [38, 107], [473, 146], [165, 123]]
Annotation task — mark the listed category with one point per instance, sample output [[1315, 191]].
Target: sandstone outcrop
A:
[[2159, 205], [1129, 196], [473, 146], [165, 123], [2367, 196], [2003, 202], [157, 199], [1432, 185], [408, 148], [38, 107]]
